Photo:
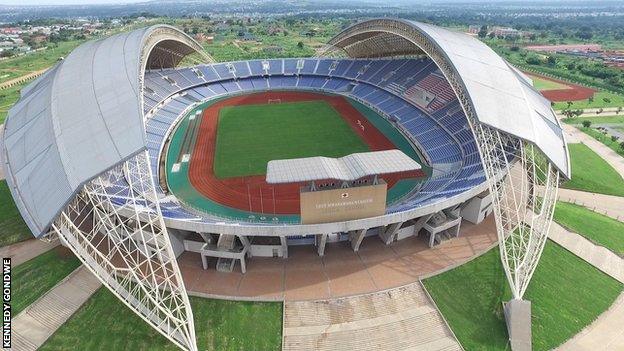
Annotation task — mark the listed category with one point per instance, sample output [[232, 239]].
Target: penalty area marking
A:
[[186, 157]]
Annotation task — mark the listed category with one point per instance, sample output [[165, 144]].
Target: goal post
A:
[[275, 101]]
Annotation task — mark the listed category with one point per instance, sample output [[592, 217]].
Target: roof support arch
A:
[[522, 160]]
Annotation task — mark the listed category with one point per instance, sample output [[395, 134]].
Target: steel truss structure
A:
[[120, 235], [108, 213], [522, 181]]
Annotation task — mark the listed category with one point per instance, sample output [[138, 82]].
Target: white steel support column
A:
[[119, 234]]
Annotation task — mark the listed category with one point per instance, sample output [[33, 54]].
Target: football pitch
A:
[[249, 136]]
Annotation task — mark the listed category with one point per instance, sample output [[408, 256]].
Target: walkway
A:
[[404, 318], [605, 333], [26, 250], [574, 135], [598, 256], [592, 112], [341, 272], [612, 206], [22, 79], [33, 326]]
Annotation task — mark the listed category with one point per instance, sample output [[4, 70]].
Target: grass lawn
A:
[[614, 100], [21, 65], [249, 136], [8, 97], [596, 120], [566, 295], [105, 323], [600, 229], [34, 278], [592, 173], [546, 84], [605, 139], [12, 226]]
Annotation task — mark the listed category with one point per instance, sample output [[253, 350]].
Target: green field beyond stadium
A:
[[249, 136]]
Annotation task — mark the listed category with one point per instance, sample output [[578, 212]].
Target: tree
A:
[[619, 109], [599, 111], [483, 32], [569, 103], [586, 124], [614, 138], [568, 113], [622, 145], [590, 99], [300, 45], [607, 100], [552, 60], [585, 33]]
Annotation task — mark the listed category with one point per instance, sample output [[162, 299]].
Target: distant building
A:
[[203, 38], [473, 29], [11, 30], [248, 37], [274, 49], [506, 32]]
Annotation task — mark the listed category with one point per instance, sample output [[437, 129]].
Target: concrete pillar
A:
[[243, 265], [320, 240], [518, 318], [420, 223], [246, 243], [388, 233], [356, 237], [284, 242], [207, 238]]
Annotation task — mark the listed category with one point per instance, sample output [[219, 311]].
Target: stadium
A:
[[138, 150]]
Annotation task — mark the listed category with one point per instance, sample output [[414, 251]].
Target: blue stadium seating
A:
[[442, 135]]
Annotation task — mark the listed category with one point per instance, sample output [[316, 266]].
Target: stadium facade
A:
[[84, 152]]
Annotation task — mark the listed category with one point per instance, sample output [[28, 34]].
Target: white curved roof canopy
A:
[[82, 117], [498, 94], [348, 168]]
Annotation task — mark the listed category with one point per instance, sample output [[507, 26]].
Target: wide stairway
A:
[[399, 319], [33, 326]]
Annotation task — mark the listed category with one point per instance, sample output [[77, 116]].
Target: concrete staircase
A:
[[399, 319], [33, 326], [226, 242]]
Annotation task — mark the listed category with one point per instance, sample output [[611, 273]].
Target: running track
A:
[[252, 193]]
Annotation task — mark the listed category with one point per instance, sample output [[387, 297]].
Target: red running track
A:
[[574, 92], [253, 193]]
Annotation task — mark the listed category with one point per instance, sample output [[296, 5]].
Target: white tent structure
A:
[[79, 129]]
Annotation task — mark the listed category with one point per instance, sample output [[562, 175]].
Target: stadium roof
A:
[[348, 168], [82, 117], [498, 95]]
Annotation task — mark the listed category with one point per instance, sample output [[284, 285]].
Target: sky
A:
[[65, 2]]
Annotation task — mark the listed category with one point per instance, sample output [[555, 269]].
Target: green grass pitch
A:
[[249, 136]]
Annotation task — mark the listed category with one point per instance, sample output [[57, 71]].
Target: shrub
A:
[[586, 124], [614, 138]]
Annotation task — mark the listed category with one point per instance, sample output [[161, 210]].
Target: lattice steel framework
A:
[[119, 234], [523, 183]]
